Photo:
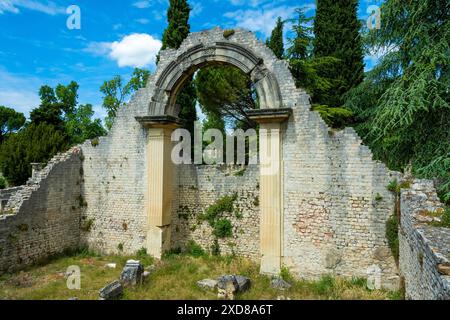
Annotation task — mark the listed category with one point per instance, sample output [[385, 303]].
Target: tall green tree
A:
[[10, 121], [337, 34], [178, 24], [35, 143], [225, 92], [403, 106], [177, 30], [115, 92], [306, 70], [275, 42]]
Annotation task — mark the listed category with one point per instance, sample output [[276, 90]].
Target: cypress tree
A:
[[275, 42], [177, 30], [336, 29]]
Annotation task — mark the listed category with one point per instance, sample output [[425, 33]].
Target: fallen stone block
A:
[[280, 284], [207, 284], [112, 291], [132, 273], [243, 283]]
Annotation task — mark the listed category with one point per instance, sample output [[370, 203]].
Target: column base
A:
[[270, 265], [158, 241]]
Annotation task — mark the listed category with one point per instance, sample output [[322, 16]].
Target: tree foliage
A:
[[115, 92], [275, 42], [35, 143], [225, 92], [10, 121], [336, 30], [177, 30], [178, 24], [403, 106], [308, 74]]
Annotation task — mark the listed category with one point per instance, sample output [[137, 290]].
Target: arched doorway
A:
[[175, 67]]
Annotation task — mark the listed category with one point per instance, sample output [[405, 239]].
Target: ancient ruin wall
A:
[[115, 184], [42, 218], [336, 202], [423, 248], [334, 195], [199, 187]]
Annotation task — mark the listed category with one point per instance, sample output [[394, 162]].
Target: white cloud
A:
[[134, 50], [261, 20], [47, 7], [143, 21], [98, 48], [142, 4]]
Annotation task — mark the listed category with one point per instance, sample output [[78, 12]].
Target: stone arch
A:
[[173, 76], [245, 52]]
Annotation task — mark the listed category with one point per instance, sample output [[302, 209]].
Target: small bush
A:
[[223, 228], [392, 186], [95, 142], [378, 197], [325, 285], [225, 204], [396, 187], [445, 219], [194, 249], [392, 235], [228, 33], [120, 247]]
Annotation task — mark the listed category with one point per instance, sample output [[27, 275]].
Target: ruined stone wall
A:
[[334, 195], [42, 218], [336, 203], [423, 248], [199, 187], [115, 184]]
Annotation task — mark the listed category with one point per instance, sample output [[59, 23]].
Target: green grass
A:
[[175, 278]]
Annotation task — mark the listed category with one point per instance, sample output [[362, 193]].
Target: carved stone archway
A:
[[175, 67]]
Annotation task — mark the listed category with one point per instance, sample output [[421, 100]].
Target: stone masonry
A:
[[42, 218], [331, 199], [423, 247]]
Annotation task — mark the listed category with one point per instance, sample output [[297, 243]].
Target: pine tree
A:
[[275, 42], [178, 30], [336, 29], [403, 105]]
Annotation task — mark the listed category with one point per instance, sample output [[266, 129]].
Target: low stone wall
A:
[[199, 187], [42, 218], [423, 248]]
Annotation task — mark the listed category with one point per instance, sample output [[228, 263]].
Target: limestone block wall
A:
[[198, 187], [42, 218], [115, 184], [336, 203], [422, 246]]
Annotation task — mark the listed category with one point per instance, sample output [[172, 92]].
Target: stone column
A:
[[271, 186], [159, 170]]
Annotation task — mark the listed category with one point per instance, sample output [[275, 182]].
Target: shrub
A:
[[392, 235], [194, 249], [225, 204], [334, 117], [445, 219], [223, 228], [228, 33]]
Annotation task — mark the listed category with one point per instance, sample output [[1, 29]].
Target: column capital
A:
[[269, 115], [164, 121]]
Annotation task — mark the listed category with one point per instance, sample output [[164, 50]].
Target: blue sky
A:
[[37, 47]]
